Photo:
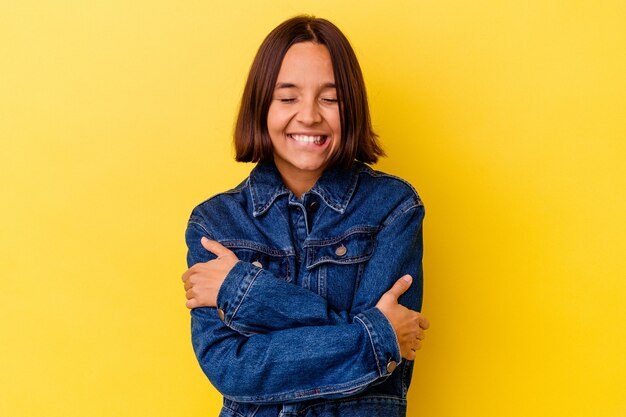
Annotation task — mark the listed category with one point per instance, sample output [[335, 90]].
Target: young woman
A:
[[305, 280]]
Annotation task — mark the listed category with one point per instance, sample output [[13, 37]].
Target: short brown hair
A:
[[358, 139]]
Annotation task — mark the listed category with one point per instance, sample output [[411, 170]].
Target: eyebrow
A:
[[290, 85]]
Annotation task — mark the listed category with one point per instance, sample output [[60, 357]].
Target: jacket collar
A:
[[335, 186]]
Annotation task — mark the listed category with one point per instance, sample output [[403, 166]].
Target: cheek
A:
[[334, 120], [277, 120], [335, 125], [271, 119]]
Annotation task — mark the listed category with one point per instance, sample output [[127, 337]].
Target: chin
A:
[[311, 165], [307, 166]]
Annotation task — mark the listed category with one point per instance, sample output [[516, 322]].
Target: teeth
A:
[[309, 139]]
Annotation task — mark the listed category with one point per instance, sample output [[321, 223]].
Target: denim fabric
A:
[[296, 331]]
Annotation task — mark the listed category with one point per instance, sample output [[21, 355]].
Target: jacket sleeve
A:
[[313, 354], [254, 300]]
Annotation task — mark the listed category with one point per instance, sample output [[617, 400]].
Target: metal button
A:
[[391, 366], [257, 264], [313, 206], [341, 250], [220, 314]]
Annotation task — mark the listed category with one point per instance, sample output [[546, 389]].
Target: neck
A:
[[298, 181]]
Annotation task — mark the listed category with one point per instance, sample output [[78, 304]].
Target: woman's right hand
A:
[[409, 325]]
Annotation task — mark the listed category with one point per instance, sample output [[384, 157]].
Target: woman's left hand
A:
[[203, 280]]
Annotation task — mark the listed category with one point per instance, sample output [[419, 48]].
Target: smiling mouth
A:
[[317, 140]]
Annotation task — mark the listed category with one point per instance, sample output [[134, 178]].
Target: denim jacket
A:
[[296, 331]]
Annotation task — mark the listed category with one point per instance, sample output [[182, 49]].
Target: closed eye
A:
[[286, 100]]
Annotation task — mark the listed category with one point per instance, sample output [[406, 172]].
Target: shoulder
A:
[[229, 201], [390, 186], [380, 198]]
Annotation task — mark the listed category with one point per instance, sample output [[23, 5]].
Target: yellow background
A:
[[508, 117]]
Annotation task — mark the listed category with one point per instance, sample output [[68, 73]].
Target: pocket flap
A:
[[356, 245], [274, 260]]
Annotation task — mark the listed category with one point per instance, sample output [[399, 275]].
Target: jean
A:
[[296, 331]]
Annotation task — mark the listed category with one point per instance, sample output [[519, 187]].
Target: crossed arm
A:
[[268, 357]]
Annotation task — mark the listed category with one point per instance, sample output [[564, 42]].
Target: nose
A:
[[309, 112]]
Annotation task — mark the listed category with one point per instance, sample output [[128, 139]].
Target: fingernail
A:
[[204, 239], [407, 278]]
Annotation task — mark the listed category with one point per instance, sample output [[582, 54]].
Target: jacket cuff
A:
[[383, 340], [234, 289]]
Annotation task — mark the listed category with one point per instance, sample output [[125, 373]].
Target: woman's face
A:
[[303, 118]]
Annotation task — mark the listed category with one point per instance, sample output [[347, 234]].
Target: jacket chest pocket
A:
[[273, 260], [339, 262]]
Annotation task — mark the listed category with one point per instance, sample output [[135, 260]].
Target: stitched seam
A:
[[398, 213], [345, 258], [255, 411], [372, 343], [310, 393], [350, 192], [343, 261], [352, 231], [363, 399], [328, 201], [357, 282], [279, 191], [379, 174], [232, 410], [244, 296], [201, 226], [395, 336], [244, 244]]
